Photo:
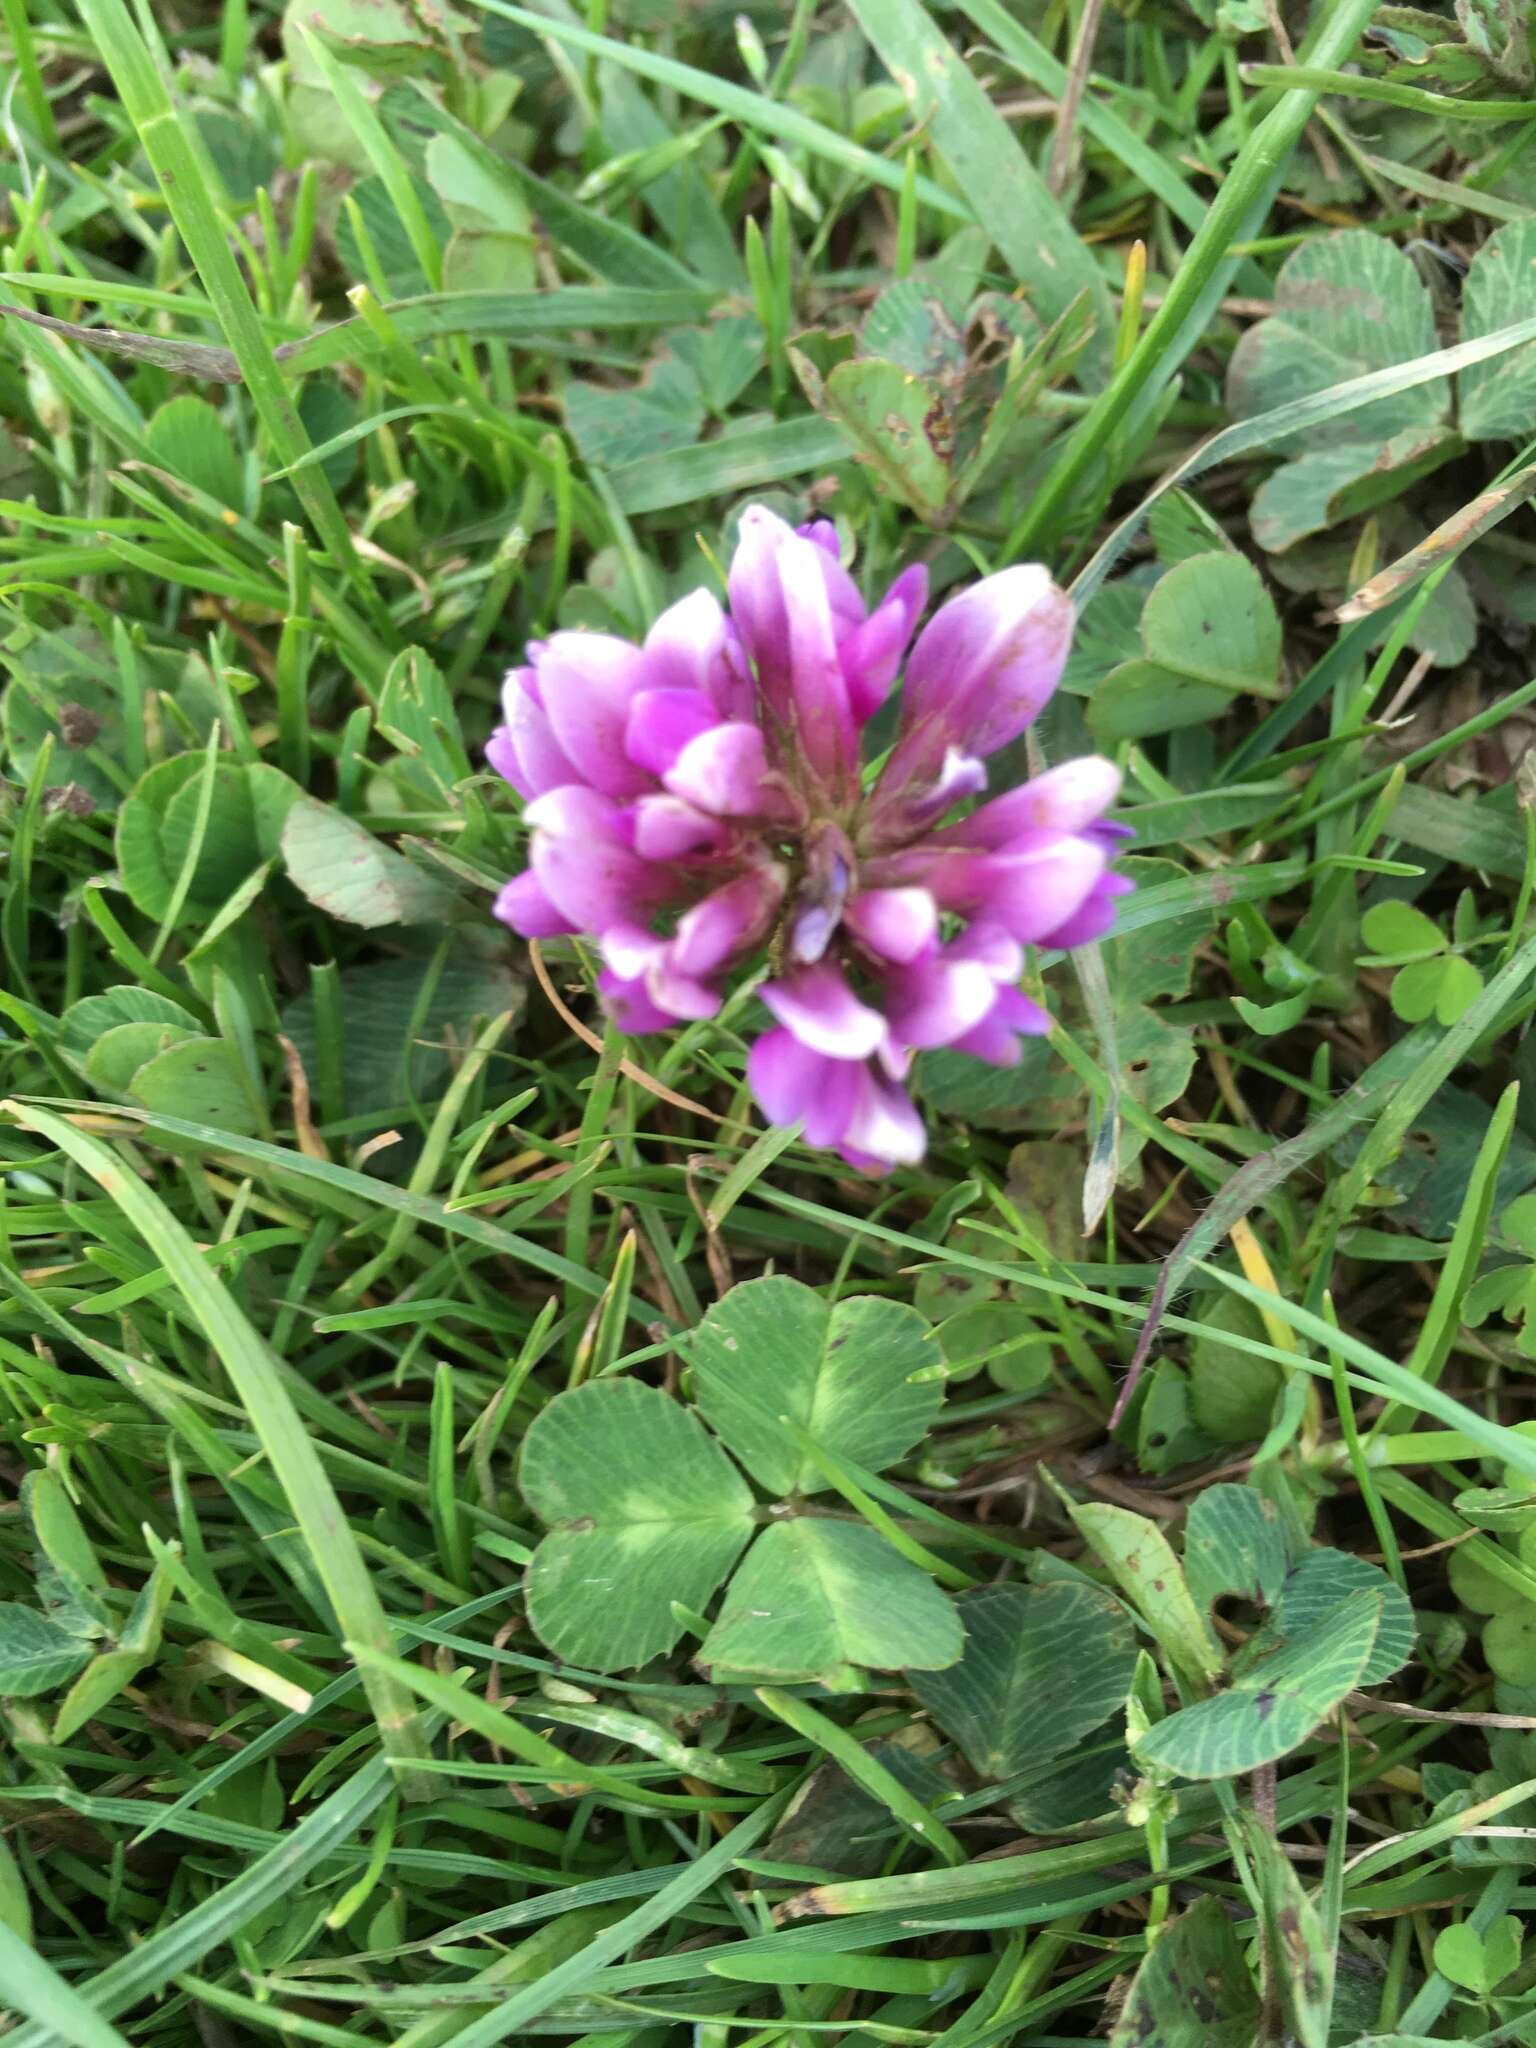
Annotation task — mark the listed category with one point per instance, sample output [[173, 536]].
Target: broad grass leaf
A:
[[158, 821], [813, 1597], [909, 324], [1231, 1393], [87, 1021], [1233, 1543], [1152, 1579], [342, 868], [1193, 1990], [1210, 635], [1275, 1705], [900, 425], [643, 1509], [1326, 486], [1345, 304], [1478, 1962], [417, 710], [386, 233], [1043, 1666], [1390, 928], [1319, 1583], [201, 1079], [15, 1899], [1498, 398], [189, 439], [36, 1654], [400, 1022], [724, 357], [1158, 960], [614, 425], [1430, 1173], [842, 1372], [119, 1053]]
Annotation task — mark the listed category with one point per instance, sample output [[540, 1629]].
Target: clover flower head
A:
[[699, 801]]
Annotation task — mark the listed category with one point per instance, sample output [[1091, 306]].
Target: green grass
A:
[[343, 352]]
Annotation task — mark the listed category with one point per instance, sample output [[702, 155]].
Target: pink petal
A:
[[630, 1006], [871, 653], [523, 904], [666, 828], [900, 808], [885, 1129], [685, 649], [588, 682], [824, 533], [728, 923], [1065, 799], [637, 957], [938, 1001], [983, 667], [584, 865], [898, 924], [725, 771], [540, 761], [794, 1085], [819, 1007], [1028, 894], [783, 605], [1001, 955], [996, 1038], [502, 755], [1096, 916], [662, 722]]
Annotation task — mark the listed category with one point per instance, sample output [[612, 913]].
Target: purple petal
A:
[[794, 1085], [523, 904], [540, 761], [1002, 956], [1029, 893], [871, 653], [938, 1001], [785, 596], [662, 722], [630, 1006], [584, 865], [728, 923], [823, 719], [900, 808], [637, 959], [819, 1007], [824, 533], [588, 682], [996, 1038], [885, 1129], [826, 880], [725, 771], [898, 924], [502, 755], [666, 828], [685, 649], [1094, 918], [1070, 798], [983, 667]]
